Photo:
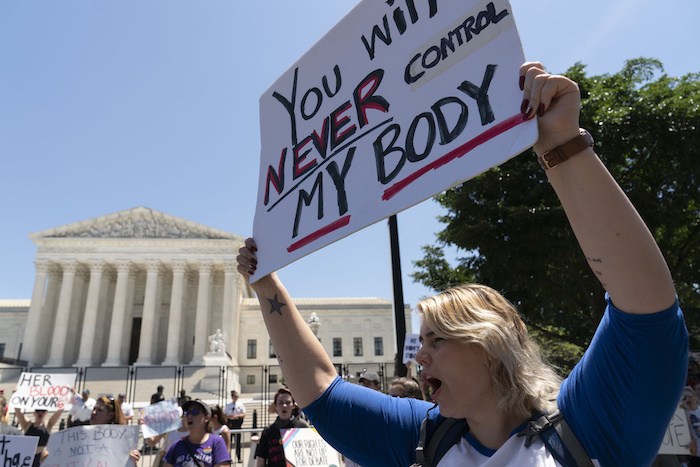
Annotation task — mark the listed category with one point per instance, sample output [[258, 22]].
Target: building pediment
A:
[[137, 223]]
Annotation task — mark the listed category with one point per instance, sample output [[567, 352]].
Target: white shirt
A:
[[81, 409], [234, 408], [127, 409], [512, 453]]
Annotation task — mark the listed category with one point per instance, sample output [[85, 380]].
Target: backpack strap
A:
[[559, 439], [448, 433]]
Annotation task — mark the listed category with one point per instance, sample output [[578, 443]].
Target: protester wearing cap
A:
[[370, 379], [199, 447], [82, 408]]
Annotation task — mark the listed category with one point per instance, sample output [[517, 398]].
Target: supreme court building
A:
[[140, 287]]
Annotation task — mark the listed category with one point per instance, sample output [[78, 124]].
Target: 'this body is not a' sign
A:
[[398, 102]]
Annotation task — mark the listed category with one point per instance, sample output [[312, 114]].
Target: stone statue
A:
[[216, 343]]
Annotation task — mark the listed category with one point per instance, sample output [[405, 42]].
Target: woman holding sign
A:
[[476, 354], [108, 411], [38, 428]]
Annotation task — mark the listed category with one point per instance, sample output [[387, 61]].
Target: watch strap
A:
[[556, 156]]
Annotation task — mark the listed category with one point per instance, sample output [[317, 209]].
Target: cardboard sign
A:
[[18, 451], [411, 345], [43, 391], [678, 436], [93, 446], [394, 105], [160, 418], [304, 447]]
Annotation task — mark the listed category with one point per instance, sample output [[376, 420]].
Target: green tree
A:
[[514, 236]]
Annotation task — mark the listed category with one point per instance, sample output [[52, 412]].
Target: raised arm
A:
[[617, 244], [22, 419], [54, 418], [307, 369]]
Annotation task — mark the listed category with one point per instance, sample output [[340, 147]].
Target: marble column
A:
[[148, 320], [87, 337], [48, 314], [60, 331], [172, 350], [116, 329], [201, 327], [31, 330], [230, 312]]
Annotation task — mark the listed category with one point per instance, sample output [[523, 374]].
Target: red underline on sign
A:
[[456, 153], [342, 222]]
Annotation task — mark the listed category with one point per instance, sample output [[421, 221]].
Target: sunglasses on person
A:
[[193, 412]]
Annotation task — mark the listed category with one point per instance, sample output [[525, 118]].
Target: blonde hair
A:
[[476, 314], [4, 417]]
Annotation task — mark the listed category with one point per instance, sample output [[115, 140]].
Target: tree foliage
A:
[[514, 236]]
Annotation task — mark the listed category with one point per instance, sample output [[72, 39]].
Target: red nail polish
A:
[[522, 83], [524, 106], [540, 110]]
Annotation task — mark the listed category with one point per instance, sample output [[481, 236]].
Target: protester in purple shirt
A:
[[199, 448]]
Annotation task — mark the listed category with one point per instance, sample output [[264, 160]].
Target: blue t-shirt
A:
[[618, 399], [211, 452]]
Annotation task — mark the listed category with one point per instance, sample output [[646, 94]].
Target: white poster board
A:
[[678, 436], [93, 445], [160, 418], [391, 107], [304, 447], [411, 345], [18, 451], [43, 391]]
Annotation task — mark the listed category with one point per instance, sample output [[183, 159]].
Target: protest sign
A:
[[160, 418], [411, 345], [677, 437], [17, 451], [43, 391], [304, 447], [93, 446], [394, 105]]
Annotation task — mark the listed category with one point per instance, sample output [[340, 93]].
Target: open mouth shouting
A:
[[434, 384]]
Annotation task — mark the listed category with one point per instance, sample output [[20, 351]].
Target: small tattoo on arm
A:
[[594, 260], [275, 305], [279, 359]]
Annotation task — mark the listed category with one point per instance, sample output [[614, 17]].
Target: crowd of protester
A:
[[215, 428]]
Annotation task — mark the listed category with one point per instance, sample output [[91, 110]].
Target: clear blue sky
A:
[[110, 105]]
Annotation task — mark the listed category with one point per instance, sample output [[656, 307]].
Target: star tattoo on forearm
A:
[[275, 305]]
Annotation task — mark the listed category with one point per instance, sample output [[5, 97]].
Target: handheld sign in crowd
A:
[[394, 105], [17, 451], [304, 447], [92, 445], [160, 418], [678, 436], [411, 346], [43, 391]]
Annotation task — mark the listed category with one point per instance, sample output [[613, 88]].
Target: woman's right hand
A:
[[247, 261]]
